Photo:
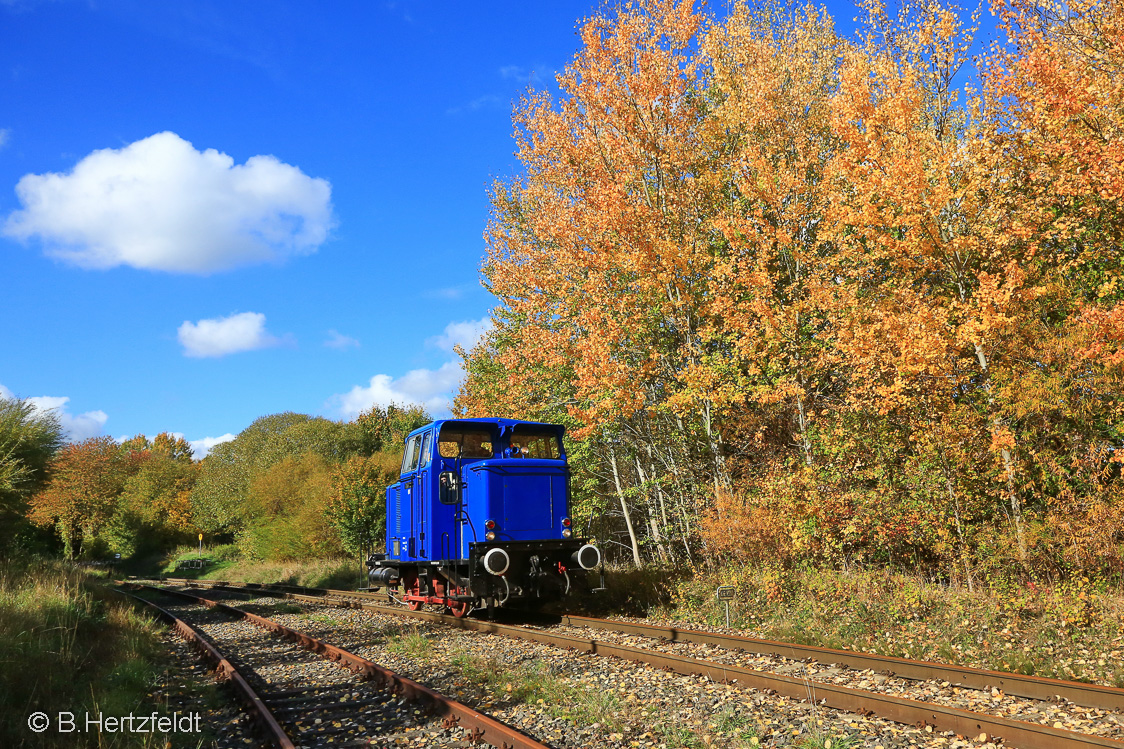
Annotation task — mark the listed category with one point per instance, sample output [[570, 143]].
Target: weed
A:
[[677, 735], [736, 726], [410, 643], [818, 739], [324, 619], [1068, 630], [534, 682]]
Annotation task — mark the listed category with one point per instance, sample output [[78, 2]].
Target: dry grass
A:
[[345, 574], [67, 646], [1072, 630]]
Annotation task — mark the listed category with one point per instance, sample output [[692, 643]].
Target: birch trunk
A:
[[624, 511]]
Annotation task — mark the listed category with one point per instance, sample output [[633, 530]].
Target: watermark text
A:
[[68, 722]]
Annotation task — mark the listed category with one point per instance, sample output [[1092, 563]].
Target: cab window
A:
[[532, 442], [426, 450], [461, 442], [410, 458]]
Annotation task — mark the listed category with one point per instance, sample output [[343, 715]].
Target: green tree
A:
[[220, 496], [287, 511], [385, 428], [28, 440], [358, 505]]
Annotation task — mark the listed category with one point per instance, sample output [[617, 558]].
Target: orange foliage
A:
[[881, 312]]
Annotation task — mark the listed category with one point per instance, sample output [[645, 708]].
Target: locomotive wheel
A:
[[412, 587], [459, 609]]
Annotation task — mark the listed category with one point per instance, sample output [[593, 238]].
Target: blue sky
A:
[[214, 211]]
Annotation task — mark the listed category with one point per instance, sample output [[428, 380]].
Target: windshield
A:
[[535, 442], [464, 442]]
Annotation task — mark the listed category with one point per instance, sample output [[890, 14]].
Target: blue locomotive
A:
[[480, 516]]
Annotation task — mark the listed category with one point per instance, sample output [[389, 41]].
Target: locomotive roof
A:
[[490, 420]]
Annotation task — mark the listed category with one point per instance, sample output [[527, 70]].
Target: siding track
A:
[[669, 647]]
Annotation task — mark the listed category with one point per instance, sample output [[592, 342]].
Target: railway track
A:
[[1038, 710], [308, 693]]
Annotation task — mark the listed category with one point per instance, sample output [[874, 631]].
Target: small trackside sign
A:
[[725, 592]]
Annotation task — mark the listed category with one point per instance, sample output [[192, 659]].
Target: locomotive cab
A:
[[480, 516]]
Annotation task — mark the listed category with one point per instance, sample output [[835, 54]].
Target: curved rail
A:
[[478, 727], [1020, 685], [1015, 733], [226, 672]]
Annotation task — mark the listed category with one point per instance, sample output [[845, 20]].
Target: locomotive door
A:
[[421, 484], [409, 479]]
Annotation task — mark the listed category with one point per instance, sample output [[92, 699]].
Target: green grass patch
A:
[[534, 682], [406, 640], [70, 646], [324, 619], [736, 727]]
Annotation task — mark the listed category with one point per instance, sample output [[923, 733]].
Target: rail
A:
[[478, 727], [969, 723], [226, 672]]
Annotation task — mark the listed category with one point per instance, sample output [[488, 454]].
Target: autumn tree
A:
[[86, 480], [1055, 95], [600, 254], [875, 310], [154, 509]]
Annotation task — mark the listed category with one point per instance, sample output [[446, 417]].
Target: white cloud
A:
[[464, 334], [5, 136], [431, 388], [76, 427], [480, 102], [521, 74], [450, 293], [159, 204], [202, 447], [340, 341], [225, 335]]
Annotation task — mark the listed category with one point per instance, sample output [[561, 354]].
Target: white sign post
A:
[[725, 593]]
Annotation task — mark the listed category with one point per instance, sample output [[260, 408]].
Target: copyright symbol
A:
[[38, 722]]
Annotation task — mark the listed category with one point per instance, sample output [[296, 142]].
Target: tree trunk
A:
[[1005, 454], [624, 511], [656, 535], [959, 527]]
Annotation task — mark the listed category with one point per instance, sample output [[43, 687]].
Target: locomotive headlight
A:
[[566, 533], [587, 557], [490, 535], [496, 561]]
